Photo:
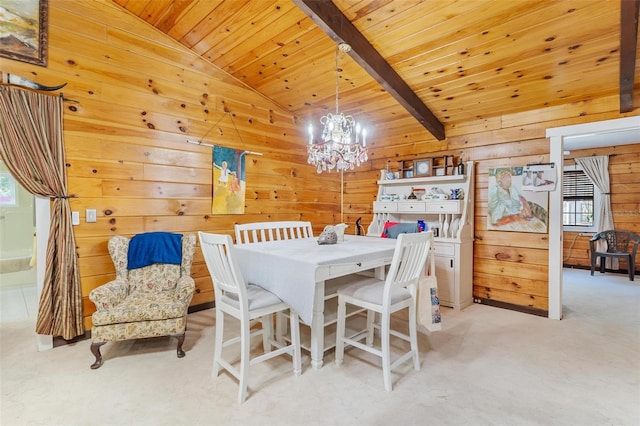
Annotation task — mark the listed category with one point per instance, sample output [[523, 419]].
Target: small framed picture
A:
[[422, 167]]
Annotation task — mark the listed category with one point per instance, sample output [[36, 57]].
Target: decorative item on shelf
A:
[[460, 168], [412, 196], [419, 192], [434, 190], [448, 165], [457, 194], [422, 167], [342, 145]]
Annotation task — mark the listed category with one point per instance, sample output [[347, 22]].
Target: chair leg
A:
[[217, 350], [340, 330], [95, 350], [371, 317], [281, 327], [245, 345], [267, 332], [593, 263], [413, 337], [631, 266], [603, 262], [180, 338], [386, 354], [295, 341]]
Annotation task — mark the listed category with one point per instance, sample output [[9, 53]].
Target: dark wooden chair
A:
[[620, 244]]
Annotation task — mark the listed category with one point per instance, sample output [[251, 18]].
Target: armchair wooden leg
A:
[[180, 338], [95, 350]]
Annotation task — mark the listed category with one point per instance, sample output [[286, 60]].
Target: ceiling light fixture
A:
[[343, 142]]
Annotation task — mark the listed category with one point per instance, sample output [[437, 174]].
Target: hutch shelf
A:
[[451, 220]]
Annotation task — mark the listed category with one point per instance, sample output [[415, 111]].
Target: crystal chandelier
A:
[[342, 145]]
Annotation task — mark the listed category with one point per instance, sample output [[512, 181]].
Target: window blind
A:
[[576, 185]]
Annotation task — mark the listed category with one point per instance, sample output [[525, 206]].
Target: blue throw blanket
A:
[[154, 247]]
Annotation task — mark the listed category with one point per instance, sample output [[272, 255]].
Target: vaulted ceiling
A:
[[417, 67]]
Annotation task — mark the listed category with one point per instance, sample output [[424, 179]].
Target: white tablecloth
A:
[[291, 268]]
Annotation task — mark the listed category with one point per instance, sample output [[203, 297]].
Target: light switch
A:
[[75, 218], [91, 215]]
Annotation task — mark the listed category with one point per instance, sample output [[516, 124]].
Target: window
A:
[[7, 189], [579, 200]]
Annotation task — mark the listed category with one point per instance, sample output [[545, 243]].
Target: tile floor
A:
[[18, 303]]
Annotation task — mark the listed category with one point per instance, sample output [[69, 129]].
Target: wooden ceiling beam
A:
[[628, 42], [333, 22]]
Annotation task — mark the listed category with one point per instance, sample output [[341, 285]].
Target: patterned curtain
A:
[[32, 148]]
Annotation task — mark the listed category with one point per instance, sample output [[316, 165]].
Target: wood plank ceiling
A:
[[465, 61]]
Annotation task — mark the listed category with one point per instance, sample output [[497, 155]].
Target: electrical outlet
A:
[[75, 218], [91, 215], [585, 234]]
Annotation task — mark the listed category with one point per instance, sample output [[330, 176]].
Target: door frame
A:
[[557, 136]]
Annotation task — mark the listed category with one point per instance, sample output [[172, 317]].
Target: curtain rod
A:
[[573, 158], [209, 145]]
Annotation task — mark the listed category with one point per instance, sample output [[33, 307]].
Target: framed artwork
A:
[[229, 182], [24, 35], [422, 167], [509, 209], [539, 177]]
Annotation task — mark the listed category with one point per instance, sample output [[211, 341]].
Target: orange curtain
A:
[[32, 148]]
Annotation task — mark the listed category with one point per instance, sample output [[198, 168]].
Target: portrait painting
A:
[[512, 209], [228, 178], [23, 30]]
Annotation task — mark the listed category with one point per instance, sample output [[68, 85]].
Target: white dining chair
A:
[[385, 297], [245, 302], [272, 231]]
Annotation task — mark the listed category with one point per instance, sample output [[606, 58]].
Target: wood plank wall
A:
[[141, 96]]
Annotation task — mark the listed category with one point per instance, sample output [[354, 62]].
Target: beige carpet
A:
[[488, 366]]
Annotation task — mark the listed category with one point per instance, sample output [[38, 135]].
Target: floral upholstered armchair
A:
[[151, 293]]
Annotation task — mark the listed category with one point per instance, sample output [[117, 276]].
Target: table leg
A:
[[379, 272], [317, 327]]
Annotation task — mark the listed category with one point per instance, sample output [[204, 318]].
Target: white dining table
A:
[[296, 271]]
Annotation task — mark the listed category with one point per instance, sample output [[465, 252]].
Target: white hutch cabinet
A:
[[454, 220]]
